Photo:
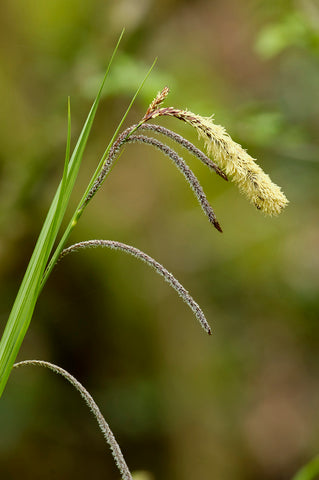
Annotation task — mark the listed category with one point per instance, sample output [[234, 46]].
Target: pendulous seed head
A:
[[237, 163], [233, 159]]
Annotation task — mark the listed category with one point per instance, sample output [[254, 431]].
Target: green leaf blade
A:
[[310, 471], [23, 308]]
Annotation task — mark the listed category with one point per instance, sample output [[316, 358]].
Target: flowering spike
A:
[[169, 277], [231, 157], [186, 171], [158, 100], [186, 144], [104, 427]]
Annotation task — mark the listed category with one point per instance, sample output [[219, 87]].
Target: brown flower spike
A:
[[158, 100]]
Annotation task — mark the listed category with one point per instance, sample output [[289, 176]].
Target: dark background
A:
[[242, 404]]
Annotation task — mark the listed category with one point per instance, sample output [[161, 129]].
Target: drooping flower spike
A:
[[186, 144], [103, 425], [186, 171], [232, 158], [127, 137], [135, 252]]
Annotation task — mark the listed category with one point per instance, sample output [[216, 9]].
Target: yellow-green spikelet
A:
[[249, 176], [235, 161]]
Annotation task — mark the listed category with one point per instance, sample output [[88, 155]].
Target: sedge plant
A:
[[224, 157]]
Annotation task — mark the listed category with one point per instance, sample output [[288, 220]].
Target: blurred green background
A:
[[242, 404]]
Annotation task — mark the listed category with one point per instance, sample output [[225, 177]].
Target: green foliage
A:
[[294, 29], [309, 471], [27, 296], [126, 73], [37, 273]]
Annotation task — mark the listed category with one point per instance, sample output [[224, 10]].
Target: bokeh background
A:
[[242, 404]]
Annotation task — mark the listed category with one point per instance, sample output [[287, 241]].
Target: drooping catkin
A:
[[103, 425], [186, 144], [169, 277], [233, 159], [186, 171]]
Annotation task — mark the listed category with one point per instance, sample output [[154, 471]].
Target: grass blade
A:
[[309, 471], [24, 304], [79, 209]]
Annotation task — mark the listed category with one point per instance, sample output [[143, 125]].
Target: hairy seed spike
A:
[[104, 427], [186, 171], [169, 277], [109, 162], [186, 144]]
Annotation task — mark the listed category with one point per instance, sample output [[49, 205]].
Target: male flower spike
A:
[[231, 157]]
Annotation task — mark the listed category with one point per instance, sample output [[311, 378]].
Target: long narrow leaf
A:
[[79, 209], [63, 182], [309, 471], [24, 304]]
